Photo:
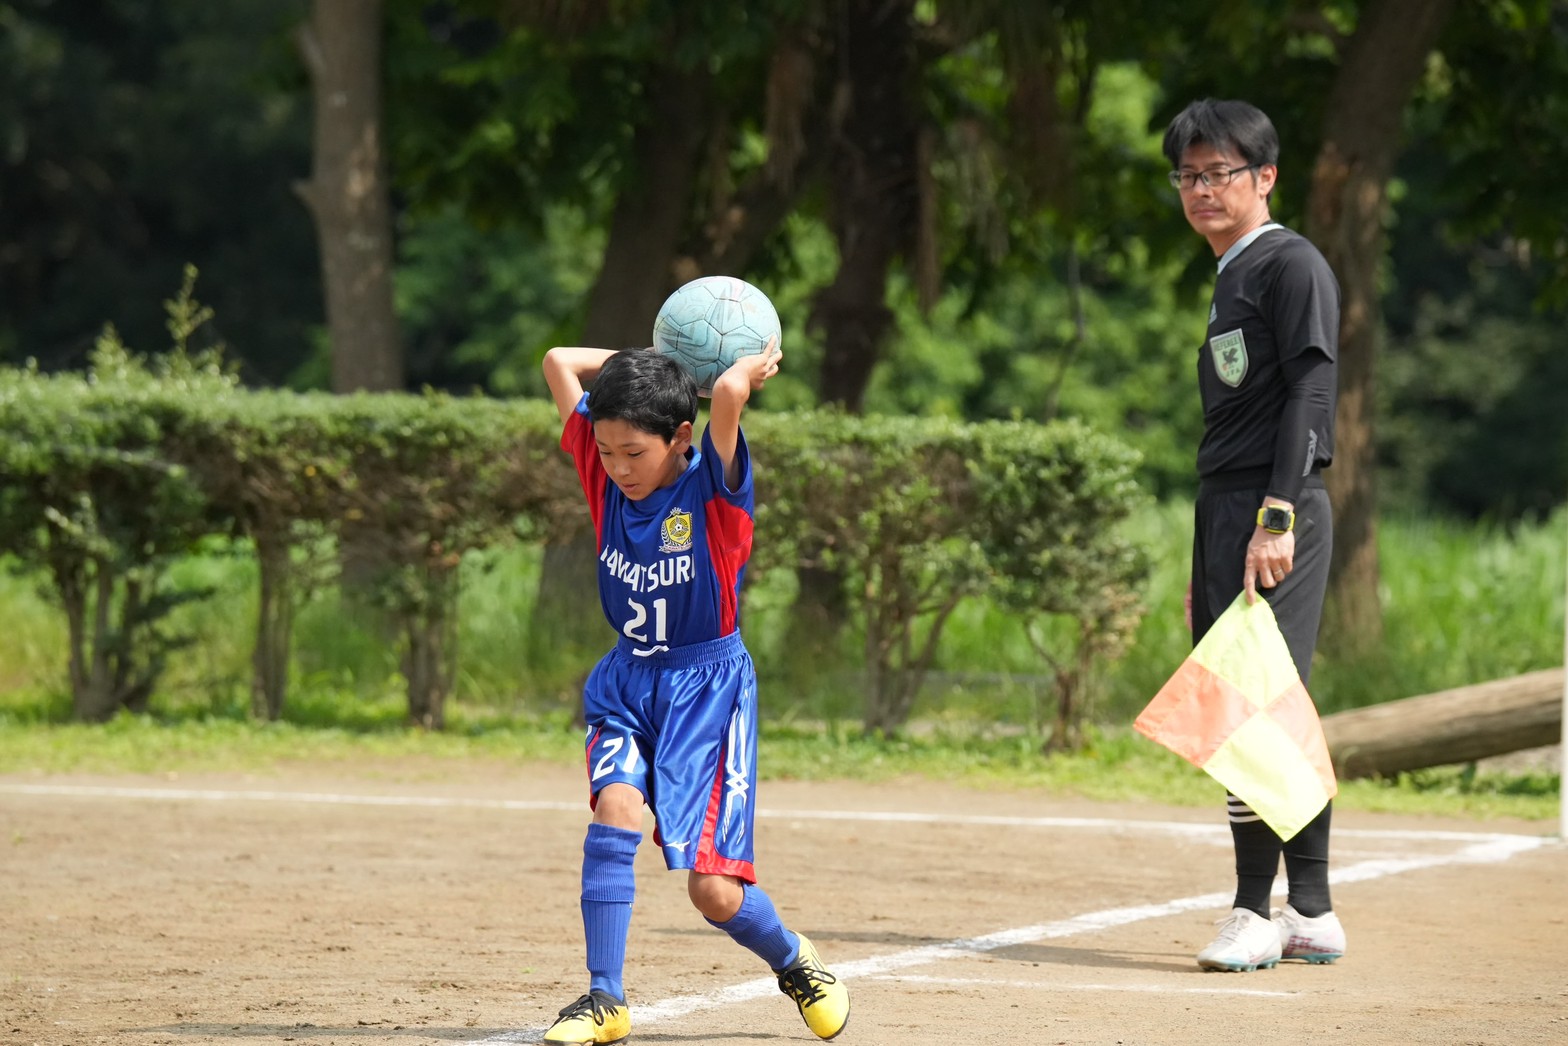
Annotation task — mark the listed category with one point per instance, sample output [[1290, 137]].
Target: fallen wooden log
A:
[[1450, 726]]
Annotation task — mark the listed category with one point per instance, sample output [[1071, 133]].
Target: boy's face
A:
[[639, 462]]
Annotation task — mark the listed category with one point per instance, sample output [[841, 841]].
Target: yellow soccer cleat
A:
[[597, 1017], [823, 1001]]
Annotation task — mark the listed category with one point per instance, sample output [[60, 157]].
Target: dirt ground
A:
[[382, 905]]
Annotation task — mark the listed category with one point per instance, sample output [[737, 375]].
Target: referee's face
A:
[[1229, 199]]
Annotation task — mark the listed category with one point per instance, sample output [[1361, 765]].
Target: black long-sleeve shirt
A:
[[1268, 372]]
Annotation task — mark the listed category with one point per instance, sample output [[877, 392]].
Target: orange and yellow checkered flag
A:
[[1236, 708]]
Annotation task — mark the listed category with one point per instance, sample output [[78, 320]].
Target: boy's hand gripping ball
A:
[[711, 322]]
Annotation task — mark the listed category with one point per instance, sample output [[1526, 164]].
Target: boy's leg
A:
[[609, 888], [704, 799], [822, 1000], [617, 782], [757, 927], [601, 1016], [618, 785]]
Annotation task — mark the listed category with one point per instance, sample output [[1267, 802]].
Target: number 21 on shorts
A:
[[615, 752]]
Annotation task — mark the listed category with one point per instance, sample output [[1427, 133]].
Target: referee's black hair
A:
[[645, 389], [1223, 124]]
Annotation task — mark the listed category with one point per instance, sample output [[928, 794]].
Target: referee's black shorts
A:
[[1224, 518]]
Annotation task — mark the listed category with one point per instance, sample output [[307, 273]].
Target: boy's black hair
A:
[[645, 389], [1223, 124]]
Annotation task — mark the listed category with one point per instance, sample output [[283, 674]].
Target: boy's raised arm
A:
[[567, 369], [730, 394]]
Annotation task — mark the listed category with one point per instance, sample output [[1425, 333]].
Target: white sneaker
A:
[[1246, 941], [1319, 939]]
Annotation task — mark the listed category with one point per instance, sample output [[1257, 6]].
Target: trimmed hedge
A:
[[108, 478]]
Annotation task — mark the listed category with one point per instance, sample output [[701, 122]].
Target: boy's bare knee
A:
[[620, 806], [717, 897]]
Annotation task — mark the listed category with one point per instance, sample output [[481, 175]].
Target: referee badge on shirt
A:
[[676, 531], [1230, 356]]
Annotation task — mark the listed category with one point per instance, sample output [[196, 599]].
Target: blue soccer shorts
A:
[[680, 726]]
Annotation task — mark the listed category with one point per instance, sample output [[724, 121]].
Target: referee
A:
[[1267, 376]]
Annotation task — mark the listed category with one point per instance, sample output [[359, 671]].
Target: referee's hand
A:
[[1270, 559]]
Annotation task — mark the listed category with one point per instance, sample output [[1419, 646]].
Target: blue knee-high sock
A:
[[609, 887], [757, 926]]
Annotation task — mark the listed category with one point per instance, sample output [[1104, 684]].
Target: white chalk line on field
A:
[[1480, 848], [1195, 829], [1061, 986]]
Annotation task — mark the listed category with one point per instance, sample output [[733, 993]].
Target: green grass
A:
[[1462, 604]]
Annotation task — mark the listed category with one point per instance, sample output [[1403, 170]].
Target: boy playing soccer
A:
[[672, 709]]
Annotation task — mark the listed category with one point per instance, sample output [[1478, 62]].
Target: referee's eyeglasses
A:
[[1214, 177]]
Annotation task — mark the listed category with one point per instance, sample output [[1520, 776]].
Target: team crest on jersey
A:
[[676, 531], [1230, 356]]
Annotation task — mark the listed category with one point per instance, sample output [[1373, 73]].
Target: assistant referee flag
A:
[[1237, 709]]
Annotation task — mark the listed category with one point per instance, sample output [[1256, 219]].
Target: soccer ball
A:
[[711, 322]]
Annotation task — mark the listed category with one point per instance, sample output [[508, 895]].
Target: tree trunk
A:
[[349, 198], [634, 279], [348, 193], [86, 590], [430, 649], [274, 627], [1346, 218], [650, 215], [874, 190], [737, 225], [874, 185], [70, 583], [1450, 726]]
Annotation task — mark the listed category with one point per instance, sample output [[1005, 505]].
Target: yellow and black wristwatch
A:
[[1276, 520]]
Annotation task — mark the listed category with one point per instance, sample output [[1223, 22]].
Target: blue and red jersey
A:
[[670, 565]]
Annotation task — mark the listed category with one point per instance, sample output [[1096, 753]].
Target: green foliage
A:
[[510, 132], [1053, 524], [139, 136], [112, 478], [510, 137], [1463, 603], [917, 516], [1466, 424], [1495, 105], [479, 307], [91, 496], [1076, 309], [504, 115], [1475, 432]]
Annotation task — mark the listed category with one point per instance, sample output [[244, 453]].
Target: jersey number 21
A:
[[640, 617]]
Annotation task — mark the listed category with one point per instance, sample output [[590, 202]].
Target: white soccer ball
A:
[[711, 322]]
